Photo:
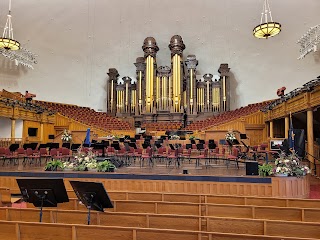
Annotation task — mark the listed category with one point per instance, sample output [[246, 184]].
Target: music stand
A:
[[66, 145], [132, 144], [93, 195], [43, 192], [188, 146], [200, 146], [171, 146], [13, 147], [100, 146]]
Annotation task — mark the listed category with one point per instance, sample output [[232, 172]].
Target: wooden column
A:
[[286, 127], [41, 132], [310, 138], [13, 129], [271, 129]]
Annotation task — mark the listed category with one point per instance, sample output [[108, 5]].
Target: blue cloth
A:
[[87, 140], [291, 136]]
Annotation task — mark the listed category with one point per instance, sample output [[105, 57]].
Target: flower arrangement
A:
[[289, 166], [174, 137], [230, 136], [82, 161], [66, 136]]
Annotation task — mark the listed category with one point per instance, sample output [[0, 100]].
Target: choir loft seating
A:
[[87, 116], [226, 116]]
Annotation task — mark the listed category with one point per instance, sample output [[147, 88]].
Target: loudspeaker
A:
[[252, 168], [51, 136], [185, 171]]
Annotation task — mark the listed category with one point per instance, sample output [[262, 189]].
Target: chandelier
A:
[[309, 41], [266, 29], [10, 48]]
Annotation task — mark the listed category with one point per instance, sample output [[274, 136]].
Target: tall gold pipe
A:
[[140, 80], [151, 89], [111, 100], [191, 83], [224, 93]]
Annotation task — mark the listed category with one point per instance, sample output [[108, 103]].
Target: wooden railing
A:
[[6, 142]]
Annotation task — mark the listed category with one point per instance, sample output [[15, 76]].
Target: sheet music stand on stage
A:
[[43, 192], [93, 195]]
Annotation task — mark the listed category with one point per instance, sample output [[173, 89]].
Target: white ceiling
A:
[[78, 41]]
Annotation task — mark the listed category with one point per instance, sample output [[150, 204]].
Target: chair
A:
[[202, 156], [233, 157], [43, 153], [173, 155], [147, 155]]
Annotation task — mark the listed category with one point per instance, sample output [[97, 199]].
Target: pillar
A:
[[310, 137], [13, 129], [271, 129], [41, 132], [286, 126]]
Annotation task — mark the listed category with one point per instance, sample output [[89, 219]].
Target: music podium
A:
[[93, 195], [43, 192]]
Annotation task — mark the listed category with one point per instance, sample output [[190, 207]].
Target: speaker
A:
[[252, 168], [51, 136]]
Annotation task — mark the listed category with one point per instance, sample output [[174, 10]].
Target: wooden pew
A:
[[13, 230], [216, 210]]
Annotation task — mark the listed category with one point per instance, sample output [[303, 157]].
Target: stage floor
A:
[[160, 168]]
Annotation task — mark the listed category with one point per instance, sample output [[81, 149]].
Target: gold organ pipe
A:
[[191, 82], [151, 85], [111, 100], [140, 80]]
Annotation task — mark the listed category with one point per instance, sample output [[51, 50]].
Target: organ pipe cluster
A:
[[167, 91]]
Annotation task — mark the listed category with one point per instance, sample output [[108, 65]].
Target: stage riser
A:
[[286, 187]]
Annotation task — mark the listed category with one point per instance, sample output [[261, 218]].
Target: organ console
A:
[[163, 93]]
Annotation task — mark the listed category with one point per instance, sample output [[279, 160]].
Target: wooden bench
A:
[[218, 228], [217, 210]]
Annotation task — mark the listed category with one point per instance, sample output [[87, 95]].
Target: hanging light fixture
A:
[[266, 29], [10, 48], [7, 41]]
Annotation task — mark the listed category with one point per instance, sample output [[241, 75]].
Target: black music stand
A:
[[13, 147], [132, 144], [171, 146], [43, 192], [93, 195], [188, 146]]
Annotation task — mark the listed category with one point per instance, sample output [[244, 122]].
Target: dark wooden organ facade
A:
[[163, 93]]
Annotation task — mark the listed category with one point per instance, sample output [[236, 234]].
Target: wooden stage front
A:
[[217, 180]]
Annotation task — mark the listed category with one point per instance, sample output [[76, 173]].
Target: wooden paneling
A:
[[280, 186], [49, 231]]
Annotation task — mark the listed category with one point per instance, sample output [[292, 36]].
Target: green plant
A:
[[265, 169], [54, 165], [192, 137], [106, 166]]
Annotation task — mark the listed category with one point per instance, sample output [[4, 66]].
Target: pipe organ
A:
[[162, 93]]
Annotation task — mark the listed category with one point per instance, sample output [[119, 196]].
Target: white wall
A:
[[5, 128], [78, 41]]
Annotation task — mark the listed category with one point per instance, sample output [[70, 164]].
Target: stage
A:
[[215, 180]]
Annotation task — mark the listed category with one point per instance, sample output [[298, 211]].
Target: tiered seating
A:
[[174, 216], [162, 126], [226, 116], [88, 116]]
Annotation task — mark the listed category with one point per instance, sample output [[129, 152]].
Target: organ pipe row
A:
[[167, 91]]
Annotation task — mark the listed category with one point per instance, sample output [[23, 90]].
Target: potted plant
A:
[[192, 137], [106, 166], [265, 169], [54, 165]]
